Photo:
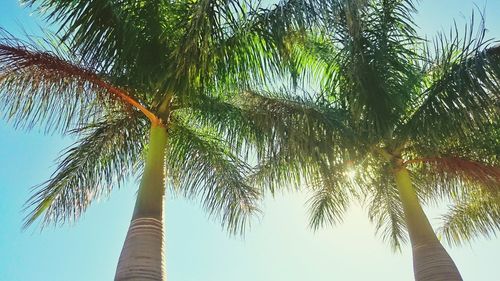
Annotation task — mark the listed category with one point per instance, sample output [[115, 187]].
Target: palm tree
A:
[[122, 68], [397, 123]]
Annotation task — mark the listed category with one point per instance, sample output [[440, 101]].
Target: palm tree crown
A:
[[390, 103], [118, 64], [120, 68], [385, 96]]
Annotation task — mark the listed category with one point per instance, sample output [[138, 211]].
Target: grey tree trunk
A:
[[431, 262], [142, 256]]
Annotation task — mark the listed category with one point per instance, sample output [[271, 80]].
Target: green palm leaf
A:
[[108, 153], [202, 165], [472, 217], [40, 87], [385, 208], [462, 88]]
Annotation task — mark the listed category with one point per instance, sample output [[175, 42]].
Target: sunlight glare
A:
[[351, 174]]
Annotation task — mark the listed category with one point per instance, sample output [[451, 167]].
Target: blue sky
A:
[[278, 247]]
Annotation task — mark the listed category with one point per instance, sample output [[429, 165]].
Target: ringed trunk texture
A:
[[431, 262], [142, 255]]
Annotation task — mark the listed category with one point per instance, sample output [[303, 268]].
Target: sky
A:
[[279, 246]]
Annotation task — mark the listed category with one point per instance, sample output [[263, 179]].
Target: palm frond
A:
[[462, 87], [331, 193], [385, 208], [472, 217], [125, 36], [238, 42], [282, 26], [234, 123], [205, 23], [301, 134], [451, 177], [40, 87], [283, 169], [107, 153], [273, 120], [291, 15], [374, 53], [203, 166], [481, 145], [297, 118]]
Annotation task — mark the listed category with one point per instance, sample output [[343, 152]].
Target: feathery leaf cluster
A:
[[386, 98], [178, 62]]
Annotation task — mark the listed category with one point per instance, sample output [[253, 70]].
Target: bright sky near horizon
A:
[[279, 246]]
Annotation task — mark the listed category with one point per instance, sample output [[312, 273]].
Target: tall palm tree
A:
[[119, 69], [398, 122]]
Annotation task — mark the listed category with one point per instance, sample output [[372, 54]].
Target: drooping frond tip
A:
[[203, 166], [327, 205], [472, 217], [106, 154]]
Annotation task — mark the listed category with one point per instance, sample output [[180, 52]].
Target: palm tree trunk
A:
[[431, 262], [142, 255]]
